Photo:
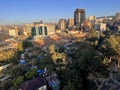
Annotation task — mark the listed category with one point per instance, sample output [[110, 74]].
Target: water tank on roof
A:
[[40, 71], [22, 61]]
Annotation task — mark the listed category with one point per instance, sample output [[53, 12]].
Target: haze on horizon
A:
[[27, 11]]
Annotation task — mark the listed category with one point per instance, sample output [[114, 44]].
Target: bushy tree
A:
[[20, 46], [111, 47], [31, 73], [27, 44], [52, 49], [17, 81]]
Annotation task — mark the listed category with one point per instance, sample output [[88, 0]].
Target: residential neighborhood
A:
[[59, 45]]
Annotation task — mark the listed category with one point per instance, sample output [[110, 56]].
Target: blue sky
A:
[[27, 11]]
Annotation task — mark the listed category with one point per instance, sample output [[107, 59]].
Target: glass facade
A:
[[40, 30], [45, 30], [33, 31]]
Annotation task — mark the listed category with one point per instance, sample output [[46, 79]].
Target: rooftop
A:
[[80, 10], [33, 84]]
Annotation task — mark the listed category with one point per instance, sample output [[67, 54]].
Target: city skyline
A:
[[24, 11]]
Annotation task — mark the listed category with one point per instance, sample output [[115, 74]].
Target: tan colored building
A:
[[13, 32], [70, 23], [87, 26], [91, 18], [27, 29], [62, 24], [51, 29]]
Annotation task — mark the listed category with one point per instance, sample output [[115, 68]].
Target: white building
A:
[[100, 26], [13, 32], [42, 30], [92, 18]]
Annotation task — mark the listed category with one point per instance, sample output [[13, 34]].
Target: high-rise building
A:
[[92, 19], [70, 23], [62, 24], [79, 17], [117, 16]]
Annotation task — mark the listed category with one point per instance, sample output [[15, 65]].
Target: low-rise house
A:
[[53, 82], [100, 26], [13, 32], [45, 81], [36, 84]]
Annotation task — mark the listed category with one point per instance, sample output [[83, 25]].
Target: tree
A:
[[17, 81], [107, 61], [5, 85], [95, 37], [59, 57], [17, 70], [19, 49], [20, 46], [69, 86], [31, 73], [52, 49], [88, 61], [111, 47], [27, 44]]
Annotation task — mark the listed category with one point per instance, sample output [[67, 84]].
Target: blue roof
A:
[[52, 83], [22, 61], [40, 71]]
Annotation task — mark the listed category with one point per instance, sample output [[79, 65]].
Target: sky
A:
[[28, 11]]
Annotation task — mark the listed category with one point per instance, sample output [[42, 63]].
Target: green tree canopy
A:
[[111, 47], [31, 73], [17, 81]]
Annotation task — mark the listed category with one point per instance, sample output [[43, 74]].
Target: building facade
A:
[[92, 18], [86, 26], [117, 16], [27, 29], [13, 32], [70, 23], [100, 26], [79, 17], [62, 24], [42, 30]]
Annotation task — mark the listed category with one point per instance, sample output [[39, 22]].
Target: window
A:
[[45, 30], [33, 31], [40, 30]]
